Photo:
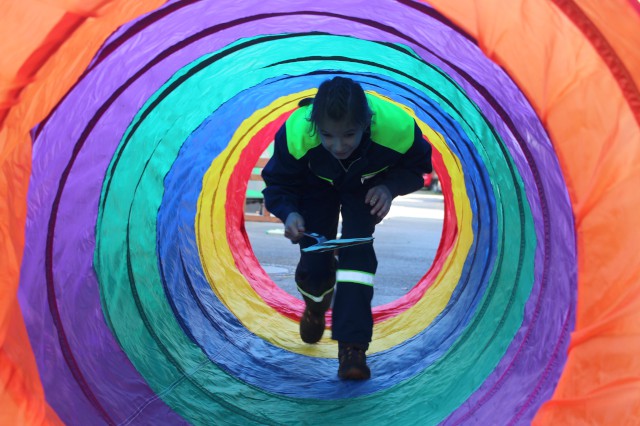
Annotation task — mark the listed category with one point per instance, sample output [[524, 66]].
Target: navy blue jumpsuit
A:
[[303, 177]]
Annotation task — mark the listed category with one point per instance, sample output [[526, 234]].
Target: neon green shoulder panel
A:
[[391, 126], [299, 133]]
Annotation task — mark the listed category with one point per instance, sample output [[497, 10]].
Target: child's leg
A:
[[352, 318], [316, 272], [316, 278]]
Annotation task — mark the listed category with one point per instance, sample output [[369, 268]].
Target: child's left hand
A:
[[379, 197]]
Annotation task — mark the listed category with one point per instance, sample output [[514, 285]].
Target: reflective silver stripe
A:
[[317, 299], [358, 277]]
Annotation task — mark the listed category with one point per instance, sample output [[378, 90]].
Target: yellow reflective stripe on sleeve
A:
[[358, 277]]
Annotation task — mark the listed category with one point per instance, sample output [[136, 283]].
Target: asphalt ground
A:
[[405, 242]]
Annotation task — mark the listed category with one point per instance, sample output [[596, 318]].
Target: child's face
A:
[[340, 138]]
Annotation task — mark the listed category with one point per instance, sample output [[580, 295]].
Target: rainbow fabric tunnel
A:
[[129, 150]]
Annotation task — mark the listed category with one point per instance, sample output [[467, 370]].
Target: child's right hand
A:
[[294, 227]]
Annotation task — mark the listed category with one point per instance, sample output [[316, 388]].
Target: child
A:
[[351, 153]]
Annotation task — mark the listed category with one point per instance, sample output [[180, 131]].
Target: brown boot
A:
[[312, 322], [311, 326], [353, 361]]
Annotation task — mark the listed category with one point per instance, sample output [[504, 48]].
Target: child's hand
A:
[[294, 227], [379, 197]]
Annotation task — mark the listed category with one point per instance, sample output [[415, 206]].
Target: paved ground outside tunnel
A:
[[406, 243]]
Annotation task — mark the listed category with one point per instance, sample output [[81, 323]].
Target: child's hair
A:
[[340, 99]]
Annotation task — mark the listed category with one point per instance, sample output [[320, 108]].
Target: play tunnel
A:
[[130, 291]]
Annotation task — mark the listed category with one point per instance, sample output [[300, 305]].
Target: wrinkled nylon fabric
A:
[[45, 47], [599, 383], [218, 212]]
